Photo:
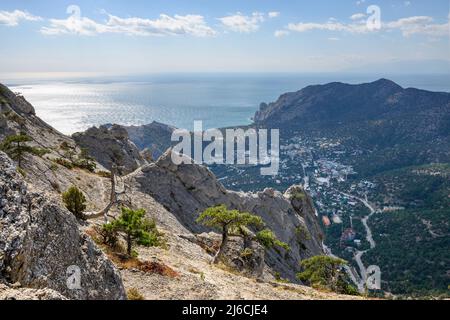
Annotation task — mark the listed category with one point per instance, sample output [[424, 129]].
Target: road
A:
[[366, 219], [358, 256]]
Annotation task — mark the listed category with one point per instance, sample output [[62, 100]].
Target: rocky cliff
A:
[[111, 145], [186, 190], [40, 240], [154, 137]]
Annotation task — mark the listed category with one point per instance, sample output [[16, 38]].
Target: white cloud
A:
[[194, 25], [360, 2], [274, 14], [12, 18], [417, 25], [242, 23], [420, 25], [72, 25], [358, 16], [281, 33], [328, 26]]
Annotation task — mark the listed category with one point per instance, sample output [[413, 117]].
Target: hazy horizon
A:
[[219, 100]]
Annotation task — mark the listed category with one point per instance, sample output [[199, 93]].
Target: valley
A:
[[364, 168]]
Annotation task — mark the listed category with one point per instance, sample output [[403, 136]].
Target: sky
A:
[[132, 37]]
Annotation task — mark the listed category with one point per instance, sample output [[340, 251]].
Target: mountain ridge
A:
[[50, 175]]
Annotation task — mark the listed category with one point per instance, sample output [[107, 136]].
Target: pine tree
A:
[[269, 240], [75, 201], [85, 161], [324, 272], [226, 221], [137, 229], [16, 147]]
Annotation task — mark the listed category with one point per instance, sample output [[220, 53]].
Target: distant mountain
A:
[[381, 116]]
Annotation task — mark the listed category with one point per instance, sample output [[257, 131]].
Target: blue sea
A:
[[219, 100]]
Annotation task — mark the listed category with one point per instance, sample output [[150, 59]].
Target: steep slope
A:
[[47, 172], [187, 190], [39, 241]]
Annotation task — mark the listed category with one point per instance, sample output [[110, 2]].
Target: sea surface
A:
[[219, 100]]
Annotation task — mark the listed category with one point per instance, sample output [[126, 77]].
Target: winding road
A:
[[369, 237], [358, 279]]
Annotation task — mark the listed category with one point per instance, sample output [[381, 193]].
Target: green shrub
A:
[[301, 196], [109, 235], [85, 161], [16, 147], [104, 174], [269, 240], [302, 233], [326, 273], [22, 172], [75, 201], [247, 252], [137, 229], [64, 163]]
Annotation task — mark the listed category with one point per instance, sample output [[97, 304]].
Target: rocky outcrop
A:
[[40, 240], [155, 137], [8, 292], [18, 115], [110, 145], [186, 190], [246, 257], [21, 105]]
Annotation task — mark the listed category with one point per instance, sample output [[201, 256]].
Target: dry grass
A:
[[122, 260], [134, 294], [158, 268]]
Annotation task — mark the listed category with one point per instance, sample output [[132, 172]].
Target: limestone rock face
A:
[[21, 105], [186, 190], [40, 240], [11, 293], [110, 144]]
